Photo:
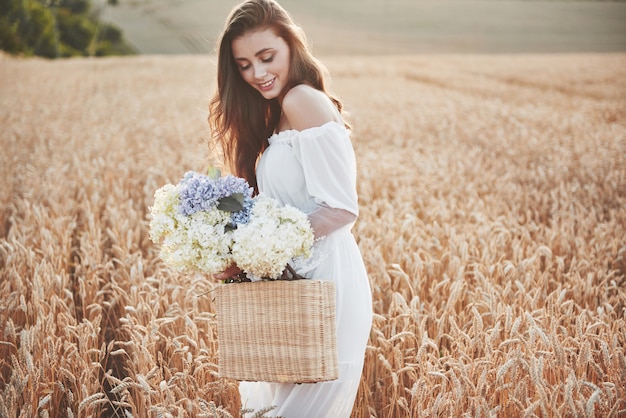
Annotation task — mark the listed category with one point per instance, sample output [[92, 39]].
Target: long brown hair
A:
[[241, 119]]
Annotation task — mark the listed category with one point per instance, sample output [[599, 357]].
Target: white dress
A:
[[313, 170]]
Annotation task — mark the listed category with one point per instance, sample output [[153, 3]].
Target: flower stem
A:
[[295, 276]]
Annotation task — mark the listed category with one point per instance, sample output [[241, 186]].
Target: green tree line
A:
[[57, 28]]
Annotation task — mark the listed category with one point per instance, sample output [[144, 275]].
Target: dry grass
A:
[[492, 190]]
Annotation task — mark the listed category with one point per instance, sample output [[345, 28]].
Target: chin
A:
[[268, 95]]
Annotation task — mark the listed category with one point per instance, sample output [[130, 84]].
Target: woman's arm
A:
[[305, 107], [325, 220]]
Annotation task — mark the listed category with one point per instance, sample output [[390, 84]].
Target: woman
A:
[[282, 131]]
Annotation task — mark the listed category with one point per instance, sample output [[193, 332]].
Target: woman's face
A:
[[263, 61]]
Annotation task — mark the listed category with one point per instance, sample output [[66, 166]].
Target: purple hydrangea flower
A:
[[199, 192], [243, 216], [231, 184]]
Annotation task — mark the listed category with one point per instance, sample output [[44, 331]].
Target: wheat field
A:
[[493, 226]]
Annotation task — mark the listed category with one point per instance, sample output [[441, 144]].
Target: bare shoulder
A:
[[306, 107]]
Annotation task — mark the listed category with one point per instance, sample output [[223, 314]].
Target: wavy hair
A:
[[240, 118]]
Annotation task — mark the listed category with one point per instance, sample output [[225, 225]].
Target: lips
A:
[[267, 85]]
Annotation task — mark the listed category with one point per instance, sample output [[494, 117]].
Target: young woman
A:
[[283, 131]]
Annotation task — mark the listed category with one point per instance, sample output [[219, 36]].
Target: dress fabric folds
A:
[[315, 171]]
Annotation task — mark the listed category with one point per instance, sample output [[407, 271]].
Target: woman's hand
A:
[[232, 271]]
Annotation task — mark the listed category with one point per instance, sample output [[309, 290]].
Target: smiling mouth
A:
[[267, 85]]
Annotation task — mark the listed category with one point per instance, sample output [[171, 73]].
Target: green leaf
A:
[[214, 172], [232, 203]]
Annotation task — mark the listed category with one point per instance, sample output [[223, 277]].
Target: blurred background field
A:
[[390, 26]]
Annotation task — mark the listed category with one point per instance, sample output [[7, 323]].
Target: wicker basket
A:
[[277, 331]]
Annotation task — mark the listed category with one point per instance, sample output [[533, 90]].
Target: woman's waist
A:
[[343, 233]]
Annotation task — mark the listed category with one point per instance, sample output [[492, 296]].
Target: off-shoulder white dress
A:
[[314, 170]]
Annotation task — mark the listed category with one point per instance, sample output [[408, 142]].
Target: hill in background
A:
[[390, 26]]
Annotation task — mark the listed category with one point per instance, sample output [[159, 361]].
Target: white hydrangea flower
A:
[[163, 212], [273, 236], [198, 242]]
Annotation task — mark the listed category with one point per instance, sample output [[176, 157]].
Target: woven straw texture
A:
[[277, 331]]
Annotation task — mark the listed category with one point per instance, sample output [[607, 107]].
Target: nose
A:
[[260, 71]]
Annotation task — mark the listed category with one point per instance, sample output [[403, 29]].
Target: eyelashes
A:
[[263, 60]]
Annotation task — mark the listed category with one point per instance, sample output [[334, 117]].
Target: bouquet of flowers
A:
[[208, 222]]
